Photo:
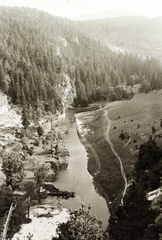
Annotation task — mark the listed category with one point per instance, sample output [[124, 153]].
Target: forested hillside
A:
[[40, 55], [139, 35]]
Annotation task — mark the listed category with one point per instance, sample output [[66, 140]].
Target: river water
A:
[[77, 178]]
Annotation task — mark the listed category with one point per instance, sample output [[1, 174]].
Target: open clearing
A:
[[136, 118]]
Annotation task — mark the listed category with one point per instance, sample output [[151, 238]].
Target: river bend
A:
[[77, 178]]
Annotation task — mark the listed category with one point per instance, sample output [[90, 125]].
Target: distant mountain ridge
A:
[[109, 13], [133, 34]]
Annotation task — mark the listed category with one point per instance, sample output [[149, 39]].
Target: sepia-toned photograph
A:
[[80, 120]]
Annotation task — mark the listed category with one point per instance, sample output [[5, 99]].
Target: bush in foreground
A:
[[81, 225]]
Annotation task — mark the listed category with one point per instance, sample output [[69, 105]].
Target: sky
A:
[[73, 8]]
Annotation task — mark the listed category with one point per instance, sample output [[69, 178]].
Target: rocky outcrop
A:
[[4, 105], [53, 191]]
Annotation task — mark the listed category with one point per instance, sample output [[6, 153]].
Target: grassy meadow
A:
[[135, 118], [139, 119]]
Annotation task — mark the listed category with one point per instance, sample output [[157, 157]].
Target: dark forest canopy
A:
[[37, 51]]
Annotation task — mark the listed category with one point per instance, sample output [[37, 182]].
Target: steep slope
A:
[[41, 56], [6, 114]]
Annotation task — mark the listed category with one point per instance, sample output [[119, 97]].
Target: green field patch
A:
[[136, 117]]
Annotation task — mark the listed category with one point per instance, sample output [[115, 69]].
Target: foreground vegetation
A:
[[81, 225]]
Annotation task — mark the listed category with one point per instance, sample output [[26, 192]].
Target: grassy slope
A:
[[143, 109]]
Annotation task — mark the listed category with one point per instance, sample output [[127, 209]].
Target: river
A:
[[77, 178]]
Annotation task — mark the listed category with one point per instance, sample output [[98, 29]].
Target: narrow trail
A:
[[107, 137]]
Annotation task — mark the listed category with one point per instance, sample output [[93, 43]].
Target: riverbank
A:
[[126, 125], [67, 178], [109, 181], [38, 150], [129, 124], [77, 178]]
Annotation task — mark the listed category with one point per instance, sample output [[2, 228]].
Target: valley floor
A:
[[136, 119], [111, 157]]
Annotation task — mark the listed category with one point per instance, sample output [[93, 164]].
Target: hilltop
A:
[[109, 13]]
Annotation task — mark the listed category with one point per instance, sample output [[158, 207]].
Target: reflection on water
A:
[[76, 178]]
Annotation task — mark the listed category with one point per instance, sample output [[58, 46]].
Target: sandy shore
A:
[[42, 227]]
